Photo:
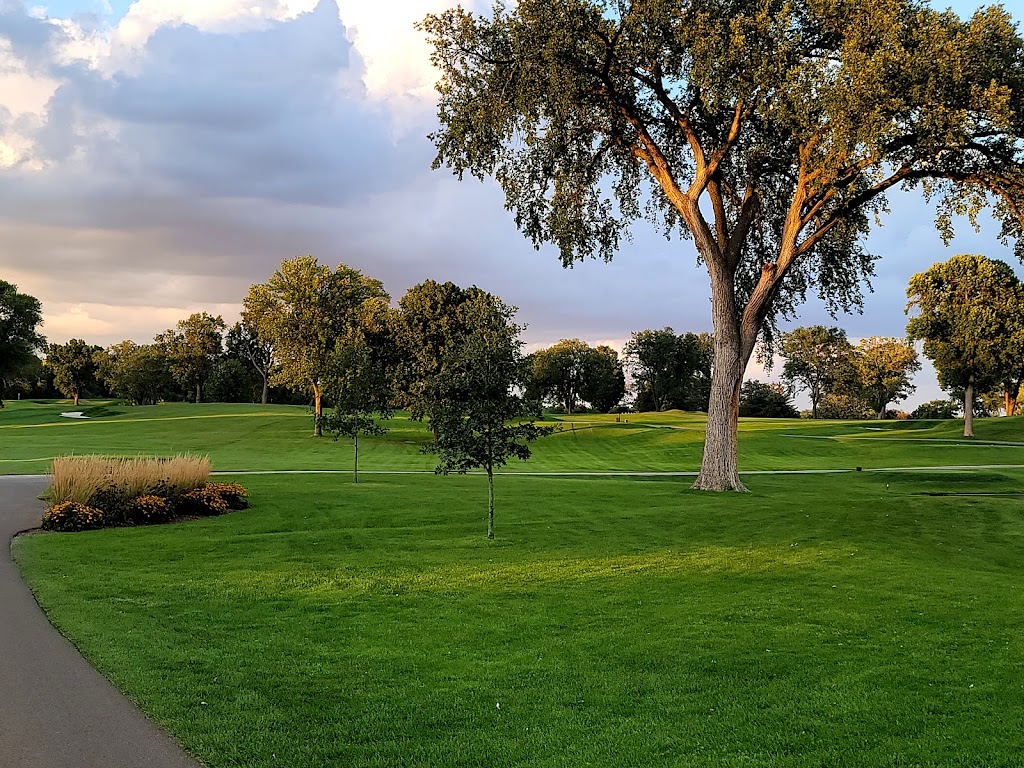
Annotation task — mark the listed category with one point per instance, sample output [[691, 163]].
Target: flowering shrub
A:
[[72, 516], [236, 496], [205, 501], [150, 509]]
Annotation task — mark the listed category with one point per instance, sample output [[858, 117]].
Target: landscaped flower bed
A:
[[103, 492]]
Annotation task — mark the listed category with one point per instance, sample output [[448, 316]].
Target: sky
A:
[[159, 156]]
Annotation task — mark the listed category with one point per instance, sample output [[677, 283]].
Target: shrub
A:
[[72, 516], [236, 496], [150, 509], [205, 502], [114, 502]]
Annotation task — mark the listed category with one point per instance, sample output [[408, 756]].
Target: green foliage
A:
[[670, 370], [191, 348], [817, 359], [572, 372], [233, 381], [242, 343], [481, 418], [135, 373], [74, 368], [848, 406], [937, 409], [301, 312], [20, 318], [885, 367], [771, 401], [150, 509], [205, 501], [235, 495]]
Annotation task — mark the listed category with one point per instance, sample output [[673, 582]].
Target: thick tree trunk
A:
[[318, 429], [881, 413], [719, 470], [1010, 406], [266, 391], [490, 503], [969, 408], [355, 463]]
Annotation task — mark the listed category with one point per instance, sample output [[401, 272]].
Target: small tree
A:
[[359, 383], [816, 358], [20, 317], [481, 417], [885, 367], [74, 367], [970, 319]]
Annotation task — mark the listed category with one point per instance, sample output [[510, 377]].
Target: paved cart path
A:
[[56, 711]]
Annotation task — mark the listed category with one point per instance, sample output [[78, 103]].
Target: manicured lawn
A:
[[254, 437], [843, 620]]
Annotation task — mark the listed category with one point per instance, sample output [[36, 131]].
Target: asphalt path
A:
[[56, 711]]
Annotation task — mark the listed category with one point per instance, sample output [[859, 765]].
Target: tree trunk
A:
[[355, 463], [76, 399], [199, 392], [1011, 403], [266, 391], [814, 405], [490, 503], [881, 412], [718, 471], [318, 429], [969, 408]]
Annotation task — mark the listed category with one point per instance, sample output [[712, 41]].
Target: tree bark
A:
[[969, 408], [490, 503], [1010, 405], [76, 399], [318, 429], [719, 471], [266, 391], [355, 463], [814, 405], [199, 392], [881, 412]]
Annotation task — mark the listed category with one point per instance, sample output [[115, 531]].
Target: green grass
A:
[[867, 619], [254, 437], [819, 621]]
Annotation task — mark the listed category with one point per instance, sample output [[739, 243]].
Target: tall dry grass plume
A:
[[77, 478]]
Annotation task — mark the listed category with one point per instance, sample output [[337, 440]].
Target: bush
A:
[[204, 502], [236, 496], [115, 503], [72, 516], [145, 510]]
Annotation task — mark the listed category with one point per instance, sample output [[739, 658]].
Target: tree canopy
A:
[[770, 130], [970, 315], [74, 367], [816, 359], [20, 317], [670, 370], [885, 367]]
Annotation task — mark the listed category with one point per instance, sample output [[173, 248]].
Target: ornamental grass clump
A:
[[102, 491]]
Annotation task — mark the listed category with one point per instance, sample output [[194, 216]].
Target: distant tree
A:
[[846, 406], [769, 401], [192, 347], [670, 370], [232, 380], [136, 373], [431, 323], [937, 409], [816, 358], [482, 419], [360, 381], [970, 315], [604, 382], [74, 367], [885, 367], [769, 132], [243, 343], [301, 312], [20, 317], [560, 371]]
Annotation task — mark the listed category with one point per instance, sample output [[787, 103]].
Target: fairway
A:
[[858, 619]]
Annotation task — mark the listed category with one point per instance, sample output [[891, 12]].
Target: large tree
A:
[[816, 358], [570, 370], [20, 317], [301, 312], [482, 417], [970, 315], [192, 347], [242, 343], [768, 131], [74, 367], [885, 370], [604, 381], [133, 372]]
